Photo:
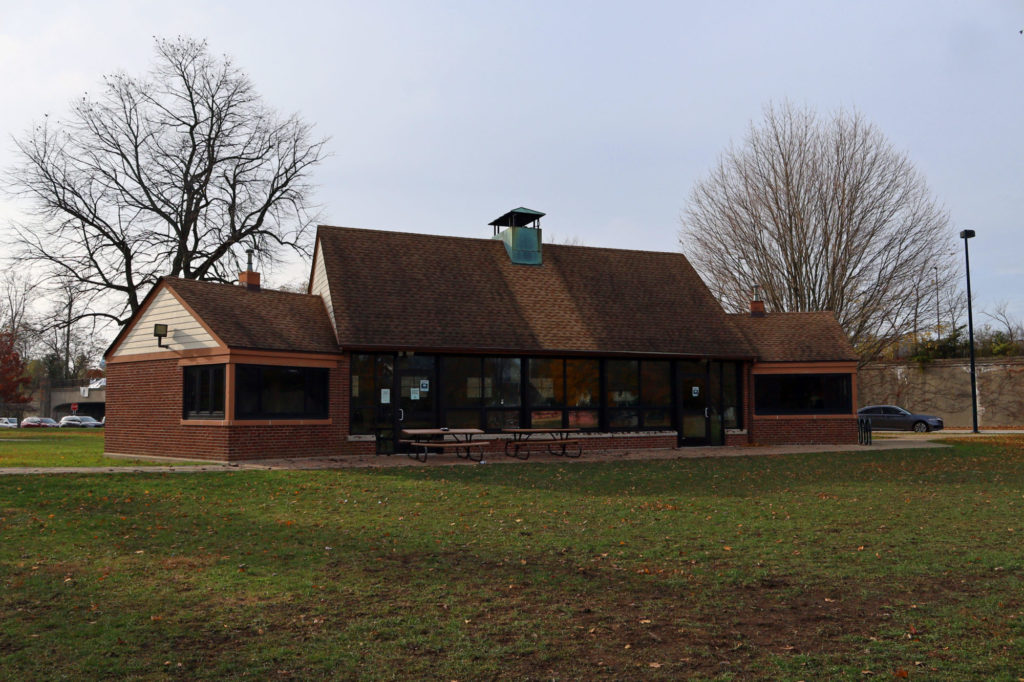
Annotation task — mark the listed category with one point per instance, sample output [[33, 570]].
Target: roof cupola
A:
[[521, 236]]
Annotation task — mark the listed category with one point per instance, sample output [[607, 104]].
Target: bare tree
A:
[[69, 340], [1005, 323], [176, 173], [823, 215], [17, 291]]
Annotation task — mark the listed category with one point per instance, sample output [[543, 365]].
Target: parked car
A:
[[895, 418], [8, 422], [38, 423], [79, 421]]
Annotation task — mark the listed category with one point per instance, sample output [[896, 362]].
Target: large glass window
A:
[[803, 394], [273, 392], [583, 383], [583, 393], [638, 394], [501, 382], [564, 393], [622, 390], [547, 383], [492, 392], [362, 398], [481, 392], [732, 414], [203, 394], [461, 382]]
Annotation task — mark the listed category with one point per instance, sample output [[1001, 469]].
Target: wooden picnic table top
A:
[[443, 432], [540, 430]]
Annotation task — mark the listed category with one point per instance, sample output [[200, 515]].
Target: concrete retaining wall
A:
[[943, 388]]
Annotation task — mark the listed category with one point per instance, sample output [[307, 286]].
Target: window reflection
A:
[[623, 383], [546, 386], [582, 382]]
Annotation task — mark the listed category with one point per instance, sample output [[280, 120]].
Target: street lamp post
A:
[[938, 320], [965, 235]]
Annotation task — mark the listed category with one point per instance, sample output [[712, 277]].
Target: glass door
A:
[[415, 393], [694, 413]]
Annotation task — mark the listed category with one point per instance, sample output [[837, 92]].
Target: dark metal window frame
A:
[[566, 410], [641, 408], [315, 379], [481, 410], [525, 408], [763, 408], [192, 391]]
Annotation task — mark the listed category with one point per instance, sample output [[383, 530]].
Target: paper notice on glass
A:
[[385, 396], [414, 394]]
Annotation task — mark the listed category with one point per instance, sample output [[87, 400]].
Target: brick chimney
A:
[[757, 305], [249, 279]]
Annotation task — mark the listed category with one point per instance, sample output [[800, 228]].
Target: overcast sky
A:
[[444, 115]]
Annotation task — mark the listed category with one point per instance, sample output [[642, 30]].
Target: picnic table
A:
[[556, 442], [423, 440]]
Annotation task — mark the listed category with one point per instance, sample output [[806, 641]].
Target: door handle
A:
[[707, 413], [401, 414]]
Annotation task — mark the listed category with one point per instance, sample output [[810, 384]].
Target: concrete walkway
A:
[[893, 442]]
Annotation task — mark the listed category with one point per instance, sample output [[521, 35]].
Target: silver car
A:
[[76, 421], [895, 418]]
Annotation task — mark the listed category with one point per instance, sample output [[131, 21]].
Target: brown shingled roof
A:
[[796, 337], [263, 319], [400, 290]]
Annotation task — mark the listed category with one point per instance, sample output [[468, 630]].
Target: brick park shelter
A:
[[402, 330]]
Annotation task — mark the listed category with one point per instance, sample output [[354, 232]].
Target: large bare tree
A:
[[822, 215], [176, 173]]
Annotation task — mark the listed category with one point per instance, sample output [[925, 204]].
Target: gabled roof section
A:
[[400, 290], [797, 337], [262, 319], [237, 317]]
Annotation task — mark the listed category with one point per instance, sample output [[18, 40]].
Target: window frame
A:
[[194, 374], [314, 407], [846, 408], [642, 407]]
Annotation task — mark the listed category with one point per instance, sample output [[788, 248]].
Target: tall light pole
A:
[[938, 320], [965, 235]]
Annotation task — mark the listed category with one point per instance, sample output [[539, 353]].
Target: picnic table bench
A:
[[558, 442], [422, 441]]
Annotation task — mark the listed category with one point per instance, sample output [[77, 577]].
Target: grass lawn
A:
[[60, 448], [903, 564]]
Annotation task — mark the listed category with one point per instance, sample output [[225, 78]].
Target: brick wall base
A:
[[788, 430]]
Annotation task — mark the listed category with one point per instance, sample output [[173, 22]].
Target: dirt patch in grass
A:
[[615, 622]]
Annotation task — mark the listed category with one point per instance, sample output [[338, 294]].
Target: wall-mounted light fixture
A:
[[160, 332]]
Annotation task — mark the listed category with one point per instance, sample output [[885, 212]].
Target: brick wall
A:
[[144, 406], [790, 429], [784, 430], [144, 414]]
